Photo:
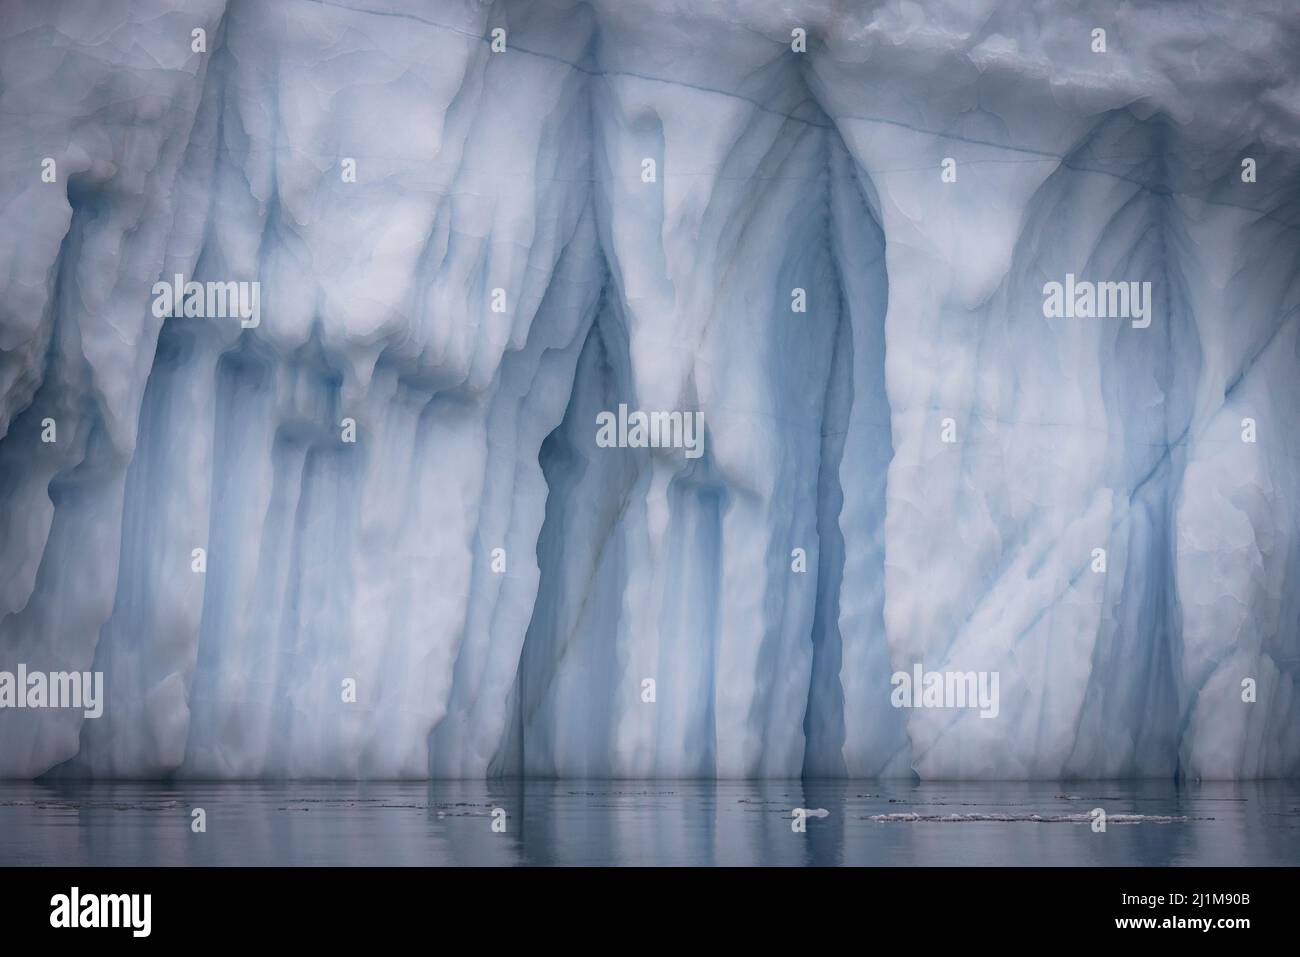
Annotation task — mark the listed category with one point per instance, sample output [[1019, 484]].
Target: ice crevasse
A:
[[504, 265]]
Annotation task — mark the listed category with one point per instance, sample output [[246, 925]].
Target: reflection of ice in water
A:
[[649, 823], [1034, 818]]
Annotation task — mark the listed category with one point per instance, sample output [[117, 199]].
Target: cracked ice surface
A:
[[522, 171]]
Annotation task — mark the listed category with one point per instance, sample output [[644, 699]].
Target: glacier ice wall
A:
[[502, 269]]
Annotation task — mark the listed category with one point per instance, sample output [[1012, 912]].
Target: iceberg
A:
[[378, 533]]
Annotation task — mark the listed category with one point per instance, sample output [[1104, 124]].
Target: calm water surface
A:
[[650, 823]]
